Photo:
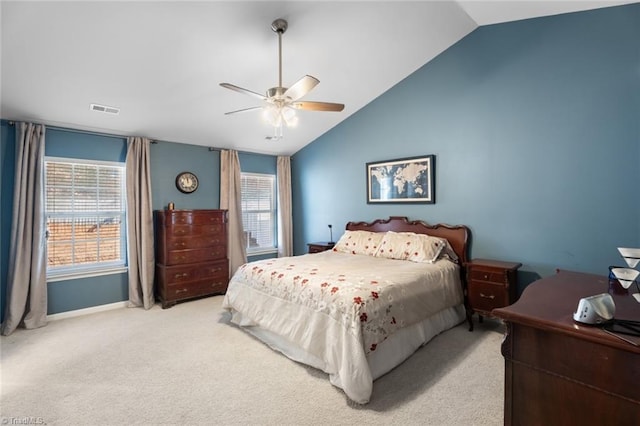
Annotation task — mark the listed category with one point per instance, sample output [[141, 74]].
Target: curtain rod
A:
[[86, 132], [247, 152], [211, 148], [111, 135]]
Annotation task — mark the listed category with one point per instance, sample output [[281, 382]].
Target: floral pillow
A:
[[430, 249], [359, 242], [411, 246]]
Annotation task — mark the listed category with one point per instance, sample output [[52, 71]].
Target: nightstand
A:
[[490, 284], [318, 247]]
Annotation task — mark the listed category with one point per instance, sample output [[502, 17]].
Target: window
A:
[[259, 212], [85, 217]]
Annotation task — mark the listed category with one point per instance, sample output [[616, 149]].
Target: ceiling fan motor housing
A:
[[279, 25], [276, 92]]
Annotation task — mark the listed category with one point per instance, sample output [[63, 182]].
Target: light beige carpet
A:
[[187, 365]]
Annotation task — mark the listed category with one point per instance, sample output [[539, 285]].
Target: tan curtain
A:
[[26, 300], [285, 227], [139, 223], [231, 200]]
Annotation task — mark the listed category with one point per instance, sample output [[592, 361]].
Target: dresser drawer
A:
[[485, 297], [196, 241], [178, 217], [186, 230], [178, 257], [195, 289], [215, 270], [182, 274], [487, 275]]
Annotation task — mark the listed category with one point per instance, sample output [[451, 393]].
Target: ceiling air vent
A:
[[105, 109]]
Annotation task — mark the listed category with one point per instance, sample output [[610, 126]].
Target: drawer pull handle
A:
[[180, 231], [491, 296], [184, 290], [486, 277], [182, 275]]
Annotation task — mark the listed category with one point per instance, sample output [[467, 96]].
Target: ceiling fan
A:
[[280, 103]]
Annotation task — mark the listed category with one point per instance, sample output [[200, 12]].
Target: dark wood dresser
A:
[[191, 254], [560, 372]]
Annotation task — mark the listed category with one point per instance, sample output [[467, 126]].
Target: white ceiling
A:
[[161, 62]]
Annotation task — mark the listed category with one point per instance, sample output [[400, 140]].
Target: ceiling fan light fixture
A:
[[280, 103], [289, 116], [272, 116], [277, 116]]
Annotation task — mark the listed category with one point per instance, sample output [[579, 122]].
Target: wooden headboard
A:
[[458, 235]]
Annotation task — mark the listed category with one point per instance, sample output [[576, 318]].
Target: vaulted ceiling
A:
[[161, 62]]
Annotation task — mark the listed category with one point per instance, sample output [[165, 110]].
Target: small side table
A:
[[490, 284], [321, 246]]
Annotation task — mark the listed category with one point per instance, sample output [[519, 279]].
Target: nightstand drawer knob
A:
[[486, 276], [490, 296]]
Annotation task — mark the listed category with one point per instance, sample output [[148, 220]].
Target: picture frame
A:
[[401, 181]]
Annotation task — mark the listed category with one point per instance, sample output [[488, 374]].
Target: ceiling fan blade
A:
[[301, 87], [245, 91], [317, 106], [243, 110]]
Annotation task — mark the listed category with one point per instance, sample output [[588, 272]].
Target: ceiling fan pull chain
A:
[[277, 133]]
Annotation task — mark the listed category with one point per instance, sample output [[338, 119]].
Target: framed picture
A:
[[405, 180]]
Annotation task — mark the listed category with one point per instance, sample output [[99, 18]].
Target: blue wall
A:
[[168, 160], [535, 128]]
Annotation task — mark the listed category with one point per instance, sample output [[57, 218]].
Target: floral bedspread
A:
[[371, 297]]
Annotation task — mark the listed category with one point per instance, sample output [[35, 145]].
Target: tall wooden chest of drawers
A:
[[191, 254]]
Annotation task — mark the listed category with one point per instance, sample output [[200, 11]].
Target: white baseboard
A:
[[86, 311]]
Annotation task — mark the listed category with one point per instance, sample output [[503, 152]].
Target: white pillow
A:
[[359, 242]]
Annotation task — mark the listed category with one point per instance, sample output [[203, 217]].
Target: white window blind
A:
[[85, 216], [259, 211]]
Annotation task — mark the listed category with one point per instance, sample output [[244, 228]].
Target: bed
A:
[[361, 309]]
